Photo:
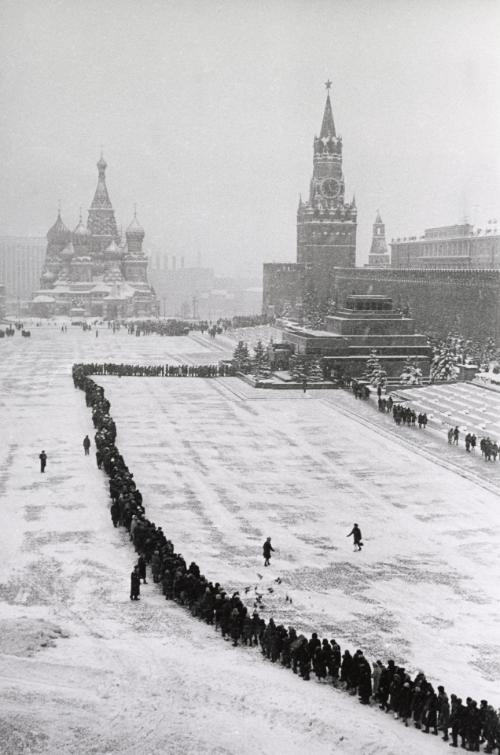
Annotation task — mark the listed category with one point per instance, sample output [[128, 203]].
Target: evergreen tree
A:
[[374, 372], [331, 306], [304, 367], [488, 352], [412, 374], [443, 365], [315, 371], [260, 366], [299, 367], [313, 310], [241, 357]]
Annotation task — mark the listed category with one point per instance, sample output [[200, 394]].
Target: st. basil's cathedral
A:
[[93, 271]]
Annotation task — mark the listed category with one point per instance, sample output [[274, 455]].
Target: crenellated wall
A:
[[439, 300], [283, 284]]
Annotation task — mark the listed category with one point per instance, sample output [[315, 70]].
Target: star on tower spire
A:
[[328, 126]]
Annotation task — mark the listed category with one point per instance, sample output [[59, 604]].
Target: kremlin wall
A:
[[448, 279]]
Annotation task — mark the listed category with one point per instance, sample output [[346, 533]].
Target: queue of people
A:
[[223, 369], [411, 699], [407, 416]]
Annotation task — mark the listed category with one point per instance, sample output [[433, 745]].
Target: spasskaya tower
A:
[[326, 223]]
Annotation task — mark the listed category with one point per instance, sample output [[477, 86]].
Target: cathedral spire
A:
[[101, 222], [101, 197], [328, 126]]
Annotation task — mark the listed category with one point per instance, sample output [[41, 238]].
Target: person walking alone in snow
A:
[[266, 549], [86, 445], [43, 461], [356, 533]]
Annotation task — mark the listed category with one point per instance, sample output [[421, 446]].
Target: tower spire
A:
[[101, 222], [328, 126]]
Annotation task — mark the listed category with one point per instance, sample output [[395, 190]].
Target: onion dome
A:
[[81, 232], [59, 233], [68, 252], [102, 165], [135, 230]]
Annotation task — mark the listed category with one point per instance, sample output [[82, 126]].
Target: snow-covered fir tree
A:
[[241, 357], [412, 374], [374, 372], [299, 367], [314, 311], [305, 368], [260, 363], [315, 371], [443, 365]]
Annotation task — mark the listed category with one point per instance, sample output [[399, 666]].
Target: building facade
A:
[[92, 271], [21, 263], [283, 288], [440, 301], [449, 246]]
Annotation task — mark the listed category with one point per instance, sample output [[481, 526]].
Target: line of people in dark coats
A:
[[168, 327], [405, 415], [411, 700], [223, 369]]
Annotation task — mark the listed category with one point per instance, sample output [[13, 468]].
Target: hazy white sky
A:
[[207, 112]]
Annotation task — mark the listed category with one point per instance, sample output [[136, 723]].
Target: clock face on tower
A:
[[330, 187]]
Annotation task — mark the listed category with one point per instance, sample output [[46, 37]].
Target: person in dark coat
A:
[[141, 567], [43, 461], [356, 534], [364, 679], [443, 712], [336, 661], [115, 513], [345, 668], [385, 683], [156, 565], [135, 584], [430, 712], [86, 445], [457, 721], [266, 550]]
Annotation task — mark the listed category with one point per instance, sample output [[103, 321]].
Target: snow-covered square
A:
[[221, 466]]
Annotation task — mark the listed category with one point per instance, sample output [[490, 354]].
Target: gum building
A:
[[92, 270], [458, 247]]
